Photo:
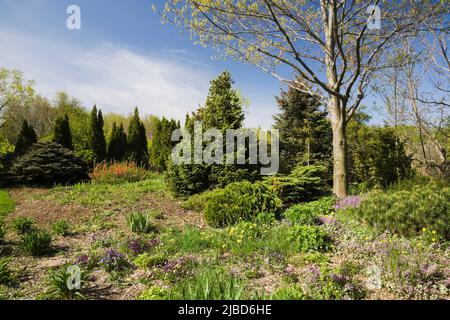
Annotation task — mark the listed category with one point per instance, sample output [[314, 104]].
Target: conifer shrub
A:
[[48, 164], [408, 212], [303, 184], [240, 201]]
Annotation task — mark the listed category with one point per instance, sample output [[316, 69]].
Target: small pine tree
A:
[[118, 143], [27, 137], [137, 141], [62, 133], [97, 138]]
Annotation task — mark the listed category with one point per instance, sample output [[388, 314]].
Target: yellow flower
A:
[[433, 232], [434, 239], [367, 238], [424, 230], [239, 241]]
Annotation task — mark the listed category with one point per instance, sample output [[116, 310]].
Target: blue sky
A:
[[122, 56]]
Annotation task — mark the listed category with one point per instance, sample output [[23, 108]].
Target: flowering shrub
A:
[[119, 172], [113, 260], [411, 270], [326, 284], [349, 202]]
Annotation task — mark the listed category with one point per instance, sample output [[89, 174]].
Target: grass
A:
[[6, 203], [104, 194]]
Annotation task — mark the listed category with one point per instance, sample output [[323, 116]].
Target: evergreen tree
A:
[[62, 133], [305, 132], [223, 107], [161, 144], [223, 110], [137, 141], [27, 137], [118, 143], [97, 139], [377, 156]]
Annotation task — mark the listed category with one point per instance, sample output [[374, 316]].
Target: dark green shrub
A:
[[309, 238], [307, 213], [239, 201], [408, 212], [27, 137], [23, 225], [301, 214], [61, 133], [304, 184], [36, 243], [48, 164]]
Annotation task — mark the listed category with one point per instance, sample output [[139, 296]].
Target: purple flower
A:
[[339, 279], [349, 202], [82, 259], [113, 260], [327, 220], [313, 273]]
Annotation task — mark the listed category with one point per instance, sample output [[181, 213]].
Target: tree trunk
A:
[[340, 177]]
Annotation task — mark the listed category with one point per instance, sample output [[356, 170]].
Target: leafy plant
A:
[[290, 292], [61, 286], [5, 272], [154, 293], [209, 284], [239, 201], [23, 225], [309, 238], [2, 231], [36, 243], [61, 227], [148, 261], [140, 223], [119, 172]]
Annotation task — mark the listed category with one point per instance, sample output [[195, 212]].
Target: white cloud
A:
[[113, 77]]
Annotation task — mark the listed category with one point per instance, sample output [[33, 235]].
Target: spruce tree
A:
[[118, 144], [161, 144], [62, 133], [305, 132], [137, 141], [223, 107], [27, 137], [97, 138]]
